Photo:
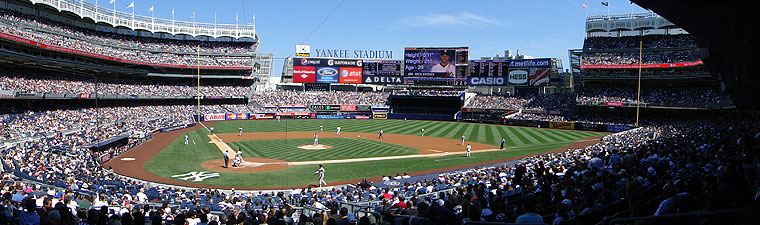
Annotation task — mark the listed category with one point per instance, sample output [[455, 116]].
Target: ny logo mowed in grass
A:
[[196, 176]]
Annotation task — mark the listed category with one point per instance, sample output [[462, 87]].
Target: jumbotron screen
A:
[[436, 66]]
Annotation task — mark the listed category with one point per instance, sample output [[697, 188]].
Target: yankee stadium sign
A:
[[344, 53]]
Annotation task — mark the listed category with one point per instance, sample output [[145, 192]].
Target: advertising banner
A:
[[304, 74], [242, 116], [382, 79], [327, 74], [231, 116], [324, 107], [270, 106], [292, 114], [362, 108], [486, 81], [350, 75], [618, 128], [379, 116], [523, 63], [84, 95], [539, 76], [347, 108], [261, 116], [292, 106], [213, 117], [590, 127], [614, 104], [361, 117], [518, 77], [329, 117], [7, 94], [303, 50], [562, 125]]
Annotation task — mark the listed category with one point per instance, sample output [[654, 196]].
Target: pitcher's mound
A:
[[314, 147], [249, 165]]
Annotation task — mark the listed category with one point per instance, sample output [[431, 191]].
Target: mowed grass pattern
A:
[[342, 148], [481, 133], [178, 159]]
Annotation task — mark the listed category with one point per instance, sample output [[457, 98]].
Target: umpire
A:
[[226, 158]]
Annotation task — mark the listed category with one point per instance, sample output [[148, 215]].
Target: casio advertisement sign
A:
[[486, 81]]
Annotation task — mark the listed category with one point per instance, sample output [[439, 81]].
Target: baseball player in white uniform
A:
[[321, 128], [462, 139], [338, 133], [240, 130], [186, 139], [321, 173], [422, 132], [316, 139], [468, 150]]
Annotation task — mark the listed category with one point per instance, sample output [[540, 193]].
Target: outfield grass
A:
[[177, 158]]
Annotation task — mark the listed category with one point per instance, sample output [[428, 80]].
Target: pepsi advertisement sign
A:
[[327, 74], [486, 81]]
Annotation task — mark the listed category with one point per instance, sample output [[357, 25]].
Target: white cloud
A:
[[439, 19]]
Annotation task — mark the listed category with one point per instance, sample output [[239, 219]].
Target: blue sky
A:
[[542, 28]]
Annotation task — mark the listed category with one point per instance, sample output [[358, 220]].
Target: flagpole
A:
[[638, 95]]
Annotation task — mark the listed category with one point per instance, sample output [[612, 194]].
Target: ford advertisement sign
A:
[[486, 81], [327, 74]]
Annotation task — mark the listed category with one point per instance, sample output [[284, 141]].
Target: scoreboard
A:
[[488, 68], [381, 67]]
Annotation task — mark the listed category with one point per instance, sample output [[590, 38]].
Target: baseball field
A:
[[281, 155]]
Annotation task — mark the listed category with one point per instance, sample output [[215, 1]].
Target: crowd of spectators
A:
[[632, 58], [690, 96], [42, 82], [657, 49], [318, 98], [548, 102], [76, 127], [663, 169], [632, 42], [633, 74], [142, 49]]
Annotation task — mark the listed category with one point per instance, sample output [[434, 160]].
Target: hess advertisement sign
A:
[[518, 77]]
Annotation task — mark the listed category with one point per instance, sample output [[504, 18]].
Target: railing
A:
[[133, 21], [622, 16]]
